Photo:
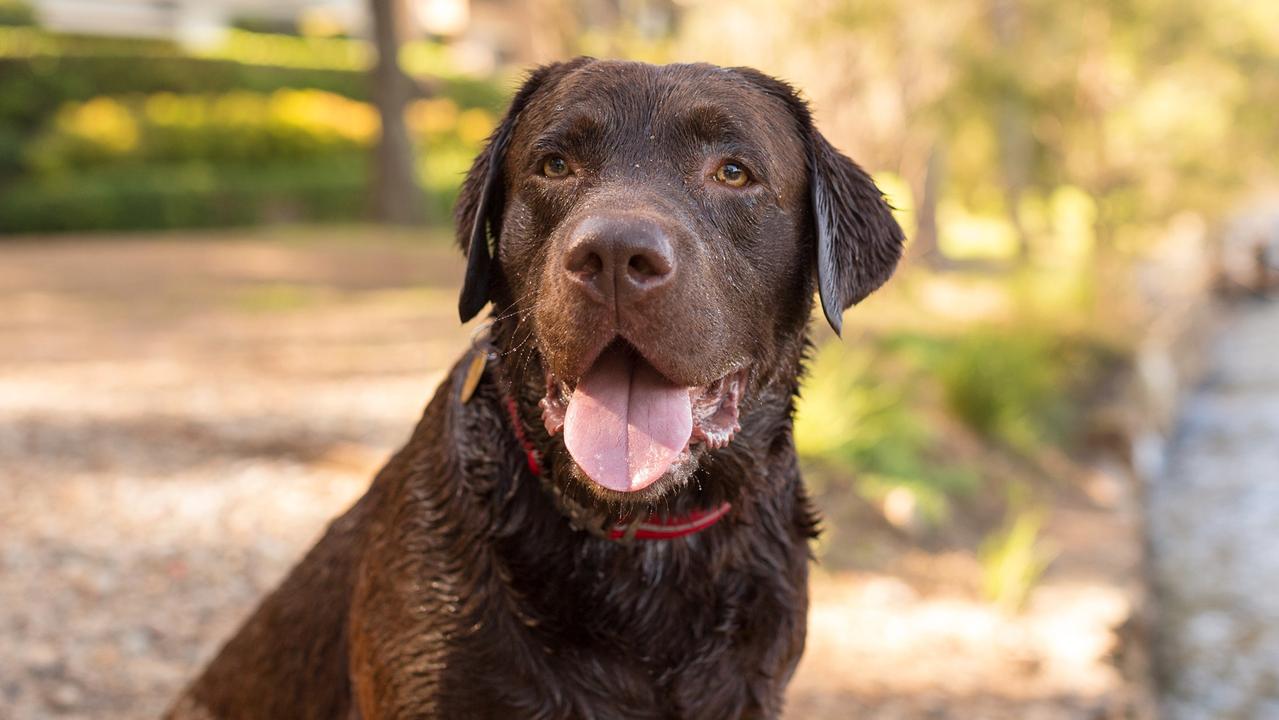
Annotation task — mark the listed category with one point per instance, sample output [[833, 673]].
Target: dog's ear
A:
[[482, 200], [858, 240]]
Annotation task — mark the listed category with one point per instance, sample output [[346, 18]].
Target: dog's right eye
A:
[[732, 175], [556, 167]]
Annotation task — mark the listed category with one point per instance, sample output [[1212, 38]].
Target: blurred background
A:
[[1046, 453]]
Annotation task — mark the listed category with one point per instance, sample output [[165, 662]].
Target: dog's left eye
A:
[[732, 175], [555, 167]]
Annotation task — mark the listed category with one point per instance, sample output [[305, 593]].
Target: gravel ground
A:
[[1214, 522], [180, 416]]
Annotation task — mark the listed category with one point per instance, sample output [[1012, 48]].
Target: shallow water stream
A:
[[1214, 531]]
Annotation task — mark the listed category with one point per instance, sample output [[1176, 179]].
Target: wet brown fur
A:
[[456, 588]]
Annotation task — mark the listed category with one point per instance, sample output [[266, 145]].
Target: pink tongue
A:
[[626, 423]]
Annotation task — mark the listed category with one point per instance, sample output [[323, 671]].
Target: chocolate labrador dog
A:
[[600, 514]]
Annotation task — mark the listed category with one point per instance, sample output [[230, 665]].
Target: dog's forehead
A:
[[634, 99]]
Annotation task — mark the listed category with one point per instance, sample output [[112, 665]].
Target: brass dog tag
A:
[[473, 374]]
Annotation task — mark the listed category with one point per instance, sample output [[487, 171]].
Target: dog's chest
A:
[[639, 645]]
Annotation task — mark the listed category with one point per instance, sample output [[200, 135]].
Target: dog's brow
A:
[[573, 132], [720, 129], [711, 123]]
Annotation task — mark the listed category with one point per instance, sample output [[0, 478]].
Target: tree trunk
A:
[[396, 196], [1012, 121], [927, 192]]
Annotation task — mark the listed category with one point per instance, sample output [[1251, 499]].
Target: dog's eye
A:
[[732, 175], [555, 167]]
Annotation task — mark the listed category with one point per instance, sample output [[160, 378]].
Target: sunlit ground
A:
[[179, 417]]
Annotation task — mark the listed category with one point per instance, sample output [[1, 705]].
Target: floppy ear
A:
[[478, 213], [858, 240]]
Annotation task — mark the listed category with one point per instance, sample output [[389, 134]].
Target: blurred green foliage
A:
[[863, 411], [921, 410], [77, 67], [102, 133], [187, 195], [1013, 560], [1004, 385], [16, 13], [989, 109], [1017, 385], [235, 128]]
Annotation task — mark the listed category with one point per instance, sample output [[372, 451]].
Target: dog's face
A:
[[657, 234]]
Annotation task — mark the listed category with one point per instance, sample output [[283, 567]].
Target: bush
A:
[[875, 415], [239, 127], [155, 148], [152, 197], [1010, 384], [40, 70], [16, 12], [96, 131], [857, 414], [32, 90]]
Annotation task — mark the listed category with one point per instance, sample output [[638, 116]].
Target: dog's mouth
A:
[[627, 425]]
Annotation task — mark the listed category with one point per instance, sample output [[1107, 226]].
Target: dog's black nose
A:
[[619, 258]]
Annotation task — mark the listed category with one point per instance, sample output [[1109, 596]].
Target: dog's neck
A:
[[671, 609], [710, 579]]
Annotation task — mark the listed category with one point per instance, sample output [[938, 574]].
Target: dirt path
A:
[[179, 418], [1214, 523]]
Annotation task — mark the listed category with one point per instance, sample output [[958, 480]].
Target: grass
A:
[[1013, 560]]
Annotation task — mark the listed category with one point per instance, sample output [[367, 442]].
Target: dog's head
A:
[[654, 234]]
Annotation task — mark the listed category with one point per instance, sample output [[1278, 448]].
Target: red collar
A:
[[655, 527]]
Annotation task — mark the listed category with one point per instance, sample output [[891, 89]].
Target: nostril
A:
[[584, 262], [641, 266], [644, 267], [591, 265]]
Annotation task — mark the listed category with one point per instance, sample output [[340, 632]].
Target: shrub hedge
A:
[[235, 128], [16, 12], [175, 196], [106, 133]]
